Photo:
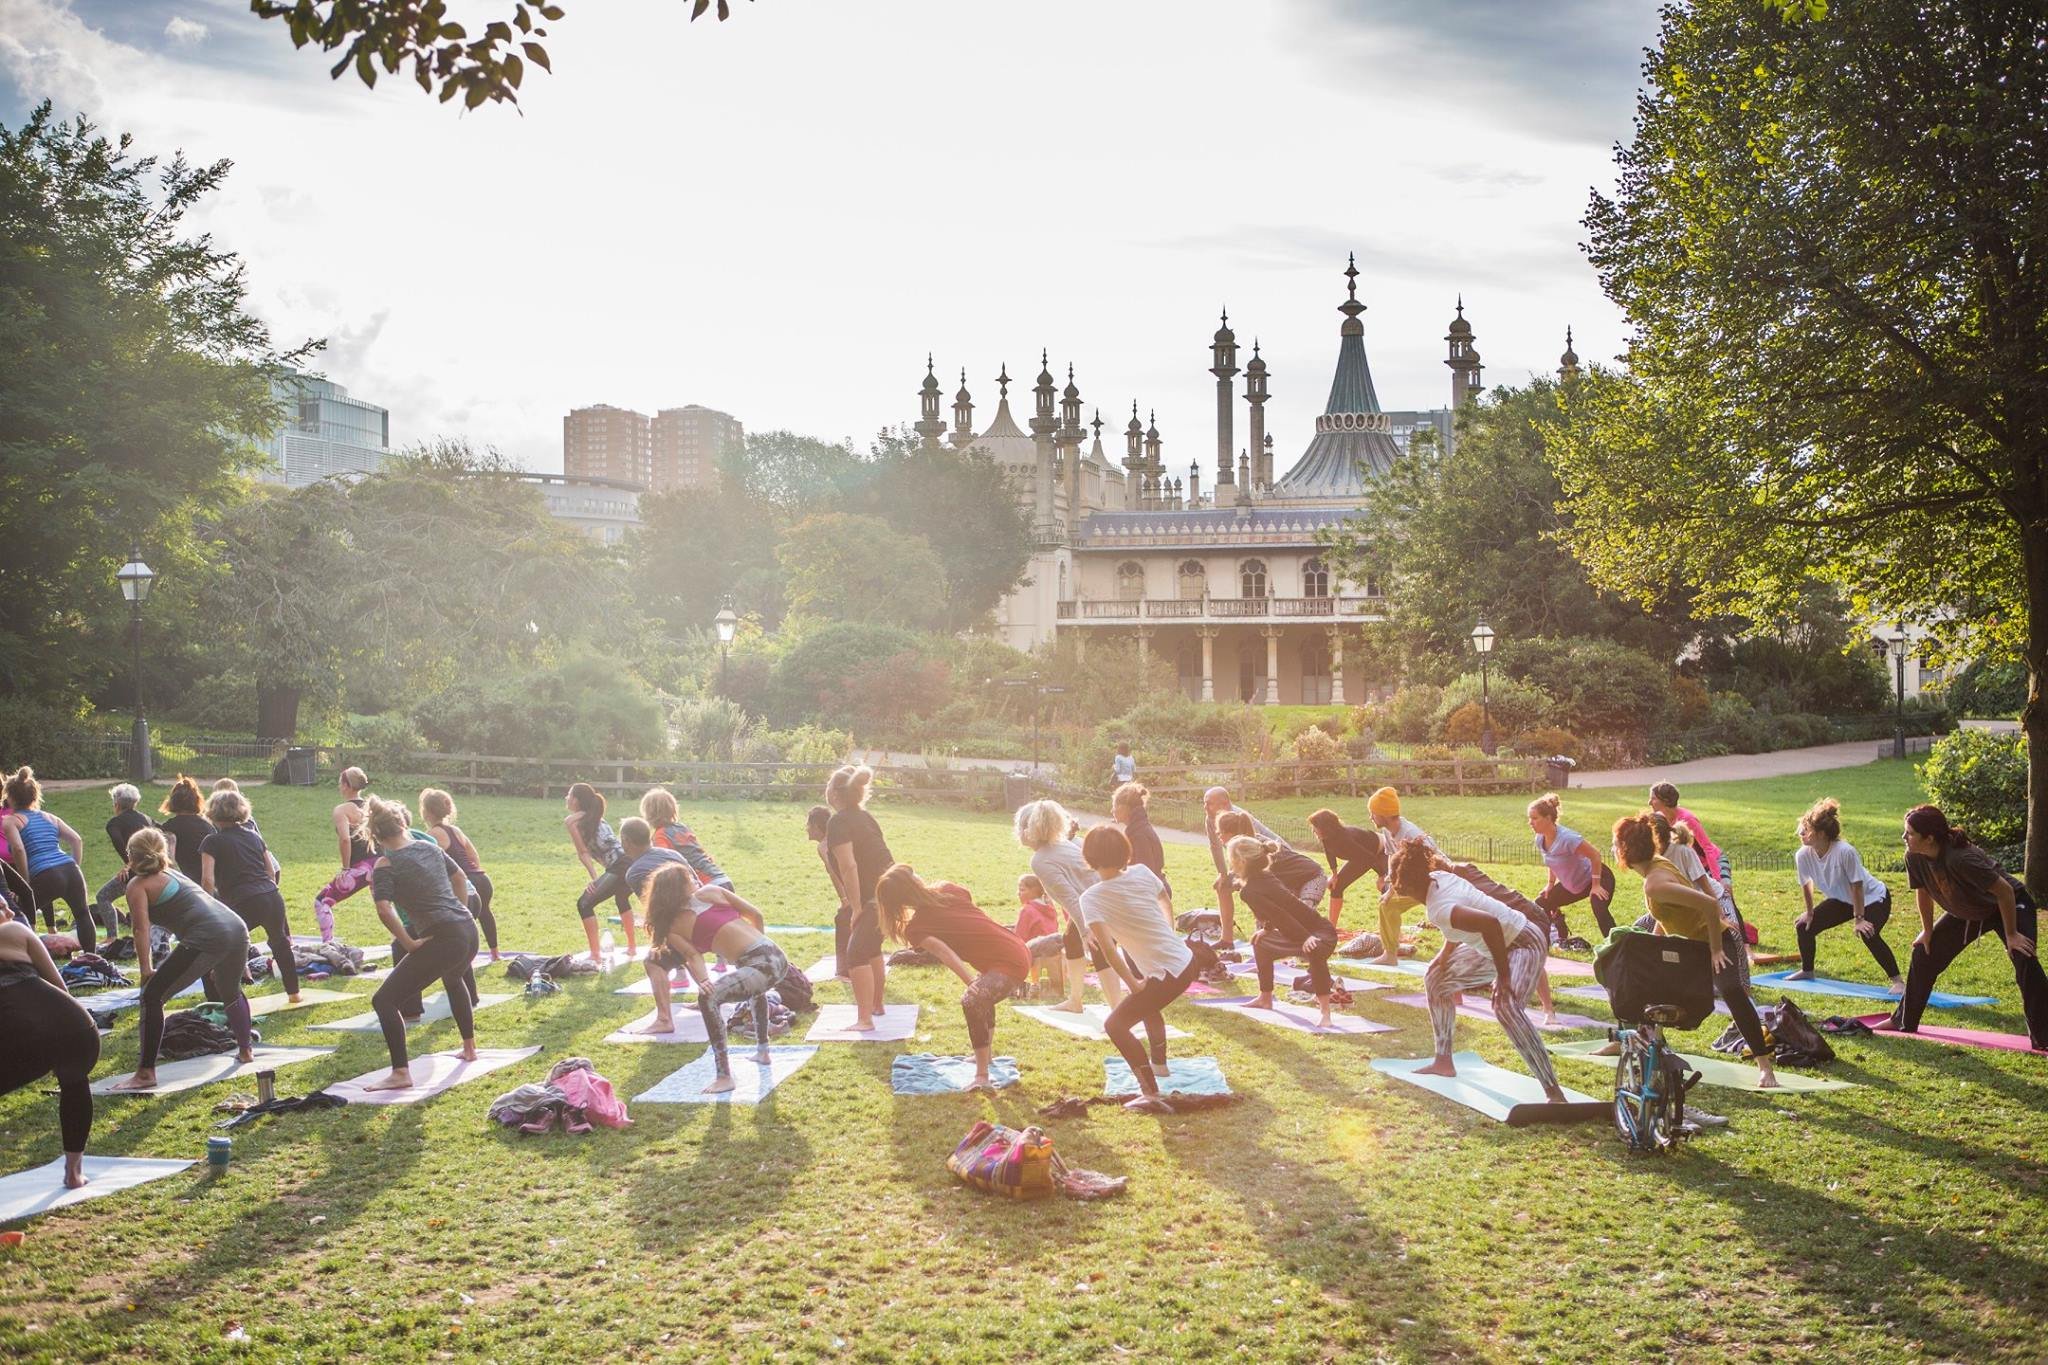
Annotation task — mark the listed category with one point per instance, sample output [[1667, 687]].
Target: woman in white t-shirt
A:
[[1485, 943], [1849, 894], [1128, 916]]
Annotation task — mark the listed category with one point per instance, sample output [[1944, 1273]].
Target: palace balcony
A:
[[1247, 610]]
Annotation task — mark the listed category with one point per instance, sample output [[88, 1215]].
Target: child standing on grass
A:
[[1038, 924]]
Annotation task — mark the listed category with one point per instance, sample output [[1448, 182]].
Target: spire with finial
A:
[[929, 425], [1351, 307], [1463, 359], [963, 415], [1003, 383], [1568, 363]]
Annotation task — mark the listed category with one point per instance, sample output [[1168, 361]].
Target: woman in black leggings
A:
[[37, 843], [437, 808], [422, 897], [212, 943], [235, 868], [47, 1033]]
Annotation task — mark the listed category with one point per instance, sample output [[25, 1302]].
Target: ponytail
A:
[[1929, 823], [1635, 838]]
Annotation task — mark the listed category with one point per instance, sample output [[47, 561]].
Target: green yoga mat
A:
[[1720, 1071]]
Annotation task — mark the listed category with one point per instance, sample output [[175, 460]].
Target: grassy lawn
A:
[[1332, 1215]]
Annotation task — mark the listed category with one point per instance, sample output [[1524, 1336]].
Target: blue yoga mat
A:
[[1188, 1076], [923, 1073], [1861, 990]]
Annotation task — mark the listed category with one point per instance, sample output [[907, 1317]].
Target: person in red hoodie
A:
[[944, 921], [1038, 924]]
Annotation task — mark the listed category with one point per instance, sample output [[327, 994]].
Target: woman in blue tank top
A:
[[37, 844]]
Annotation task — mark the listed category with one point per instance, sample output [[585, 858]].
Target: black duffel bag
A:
[[1656, 969]]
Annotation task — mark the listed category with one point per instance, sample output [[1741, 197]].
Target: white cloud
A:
[[183, 30], [779, 215]]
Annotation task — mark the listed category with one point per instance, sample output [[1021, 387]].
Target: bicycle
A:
[[1651, 1083]]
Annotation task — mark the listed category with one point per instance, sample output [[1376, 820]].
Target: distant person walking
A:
[[1123, 768]]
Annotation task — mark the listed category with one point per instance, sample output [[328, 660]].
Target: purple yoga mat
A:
[[1960, 1037]]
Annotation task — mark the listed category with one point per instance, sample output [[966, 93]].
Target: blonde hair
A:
[[847, 788], [387, 821], [1546, 805], [1823, 817], [355, 779], [658, 807], [1248, 855], [1042, 823], [22, 791], [148, 852], [1128, 795], [226, 784], [227, 808], [1029, 885], [436, 806]]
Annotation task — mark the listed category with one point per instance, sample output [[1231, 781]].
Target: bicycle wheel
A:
[[1629, 1117]]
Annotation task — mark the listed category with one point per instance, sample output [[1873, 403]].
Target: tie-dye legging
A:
[[350, 880]]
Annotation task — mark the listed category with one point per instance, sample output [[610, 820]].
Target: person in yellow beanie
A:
[[1384, 806]]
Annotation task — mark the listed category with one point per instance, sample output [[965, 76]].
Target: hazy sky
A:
[[780, 215]]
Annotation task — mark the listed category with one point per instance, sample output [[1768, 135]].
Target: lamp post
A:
[[728, 624], [1039, 691], [1482, 641], [135, 578], [1899, 704]]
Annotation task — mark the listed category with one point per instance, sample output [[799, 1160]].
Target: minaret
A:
[[1255, 394], [1070, 448], [963, 415], [1266, 457], [1194, 483], [1463, 360], [929, 424], [1044, 430], [1568, 363], [1155, 467], [1224, 351], [1244, 479]]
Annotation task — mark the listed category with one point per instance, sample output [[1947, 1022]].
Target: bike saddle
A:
[[1661, 1014]]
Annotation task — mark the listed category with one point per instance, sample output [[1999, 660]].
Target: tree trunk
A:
[[277, 712], [2034, 715]]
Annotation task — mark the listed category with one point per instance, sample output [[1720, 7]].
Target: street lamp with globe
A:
[[727, 623], [135, 578], [1482, 642], [1899, 645]]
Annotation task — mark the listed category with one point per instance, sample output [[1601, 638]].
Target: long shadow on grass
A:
[[1911, 1273]]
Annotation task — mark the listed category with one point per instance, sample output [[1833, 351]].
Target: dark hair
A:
[[1665, 792], [1124, 748], [1929, 823], [898, 890], [816, 821], [1106, 846], [1408, 871], [1234, 824], [589, 803], [185, 798], [668, 895], [1636, 837]]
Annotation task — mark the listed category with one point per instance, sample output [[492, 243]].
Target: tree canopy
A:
[[843, 567], [1831, 240]]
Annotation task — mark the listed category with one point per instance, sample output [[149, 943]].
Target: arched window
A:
[[1130, 581], [1315, 579], [1194, 580], [1251, 578], [1315, 671]]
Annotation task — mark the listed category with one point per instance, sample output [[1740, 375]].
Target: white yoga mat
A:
[[431, 1074], [752, 1081], [128, 997], [276, 1002], [834, 1025], [375, 952], [1479, 1085], [27, 1193], [222, 1066], [776, 930], [823, 970], [1300, 1018], [689, 1028], [437, 1010], [679, 984], [1087, 1024]]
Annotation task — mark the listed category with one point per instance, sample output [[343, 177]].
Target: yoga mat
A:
[[1300, 1018], [437, 1010], [431, 1074], [679, 984], [1600, 993], [689, 1028], [1566, 966], [752, 1080], [27, 1193], [823, 970], [1725, 1072], [619, 957], [797, 929], [1286, 972], [922, 1073], [128, 997], [375, 952], [1086, 1024], [172, 1077], [276, 1002], [1960, 1037], [1862, 990], [1185, 1076], [1480, 1086], [833, 1026], [1468, 1008]]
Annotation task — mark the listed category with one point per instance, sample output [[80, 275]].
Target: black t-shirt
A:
[[1963, 881], [190, 831], [240, 862], [871, 856], [122, 828]]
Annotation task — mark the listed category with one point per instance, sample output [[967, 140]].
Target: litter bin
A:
[[1560, 770], [301, 766], [1016, 790]]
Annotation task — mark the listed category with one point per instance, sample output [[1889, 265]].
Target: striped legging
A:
[[1465, 967]]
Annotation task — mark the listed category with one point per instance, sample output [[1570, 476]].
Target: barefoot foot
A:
[[719, 1086], [1442, 1066], [468, 1051], [659, 1025], [1801, 975], [141, 1080], [1259, 1002], [399, 1079], [74, 1171], [861, 1026]]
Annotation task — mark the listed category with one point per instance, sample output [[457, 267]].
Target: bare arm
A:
[[16, 854], [849, 875], [388, 912], [1488, 929], [1107, 942], [833, 873], [342, 831], [938, 948], [206, 874], [138, 926], [575, 828], [73, 840]]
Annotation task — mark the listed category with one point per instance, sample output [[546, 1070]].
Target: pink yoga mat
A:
[[1565, 966], [1960, 1037], [1482, 1009]]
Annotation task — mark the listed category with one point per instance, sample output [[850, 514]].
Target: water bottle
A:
[[266, 1086], [218, 1150], [607, 943]]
